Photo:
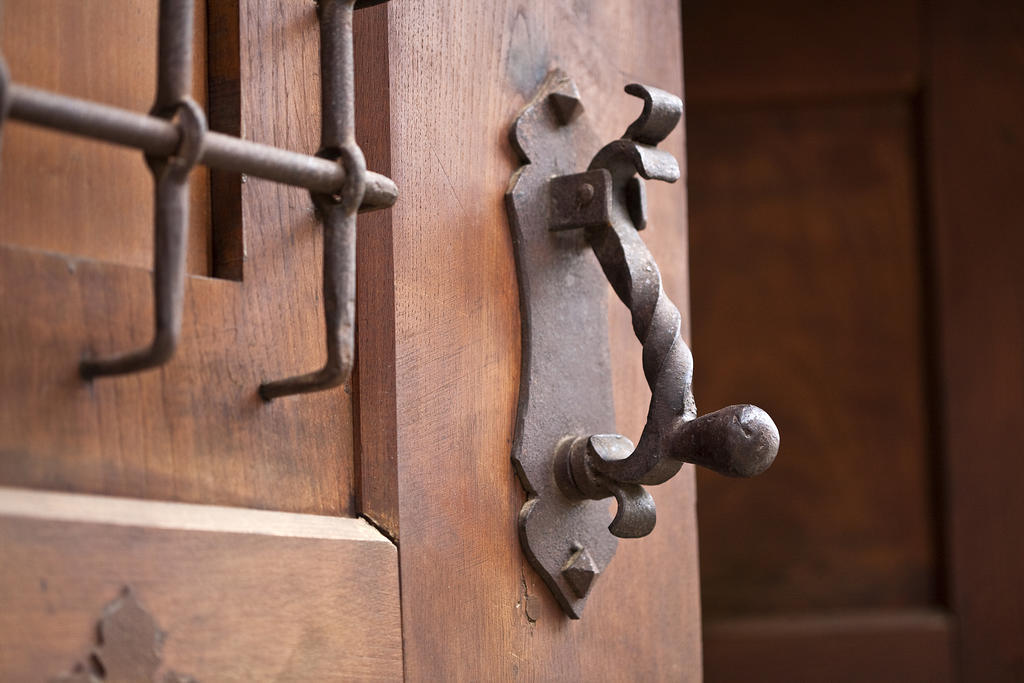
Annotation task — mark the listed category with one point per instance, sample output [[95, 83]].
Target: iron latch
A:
[[564, 453], [175, 139]]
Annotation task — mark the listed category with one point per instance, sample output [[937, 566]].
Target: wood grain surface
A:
[[806, 255], [375, 380], [746, 50], [472, 607], [194, 430], [976, 172], [241, 595], [812, 298], [845, 647], [73, 195]]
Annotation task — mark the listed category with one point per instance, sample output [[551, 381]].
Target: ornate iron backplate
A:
[[128, 648], [566, 458], [565, 388]]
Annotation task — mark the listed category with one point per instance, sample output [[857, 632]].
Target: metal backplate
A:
[[565, 387]]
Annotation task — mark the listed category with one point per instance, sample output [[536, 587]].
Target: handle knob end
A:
[[738, 441]]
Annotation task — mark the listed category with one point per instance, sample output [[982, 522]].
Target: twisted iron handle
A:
[[609, 201]]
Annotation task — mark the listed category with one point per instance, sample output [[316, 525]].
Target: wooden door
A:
[[868, 151], [266, 540], [122, 483]]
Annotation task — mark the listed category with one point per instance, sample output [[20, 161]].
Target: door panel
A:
[[194, 430], [825, 196], [436, 386], [473, 609], [805, 149], [884, 645], [78, 196], [879, 546], [976, 105], [241, 595]]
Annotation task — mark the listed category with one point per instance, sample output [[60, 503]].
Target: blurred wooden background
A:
[[856, 207]]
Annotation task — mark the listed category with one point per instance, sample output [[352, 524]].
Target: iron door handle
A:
[[568, 464], [737, 441]]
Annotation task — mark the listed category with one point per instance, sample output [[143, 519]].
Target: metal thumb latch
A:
[[565, 456], [175, 139]]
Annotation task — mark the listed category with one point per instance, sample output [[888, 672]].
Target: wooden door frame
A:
[[974, 104]]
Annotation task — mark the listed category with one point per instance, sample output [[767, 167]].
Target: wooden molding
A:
[[245, 594], [77, 507], [889, 645]]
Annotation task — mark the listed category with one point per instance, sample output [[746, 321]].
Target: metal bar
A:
[[153, 136], [170, 193], [337, 75], [174, 55], [159, 137], [337, 129], [174, 138]]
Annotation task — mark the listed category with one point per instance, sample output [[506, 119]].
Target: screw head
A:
[[580, 572], [584, 194], [566, 103]]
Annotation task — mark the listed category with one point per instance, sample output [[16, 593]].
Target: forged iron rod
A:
[[159, 137], [337, 141], [737, 441], [174, 138], [170, 194]]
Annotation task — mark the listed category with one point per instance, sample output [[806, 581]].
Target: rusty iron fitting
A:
[[174, 138], [159, 137], [171, 202], [190, 121], [567, 461], [348, 197], [339, 208], [608, 203], [170, 246]]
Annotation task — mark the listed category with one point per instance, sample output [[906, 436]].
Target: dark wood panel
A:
[[472, 607], [807, 301], [745, 50], [224, 114], [897, 647], [375, 305], [241, 594], [976, 106], [77, 196]]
